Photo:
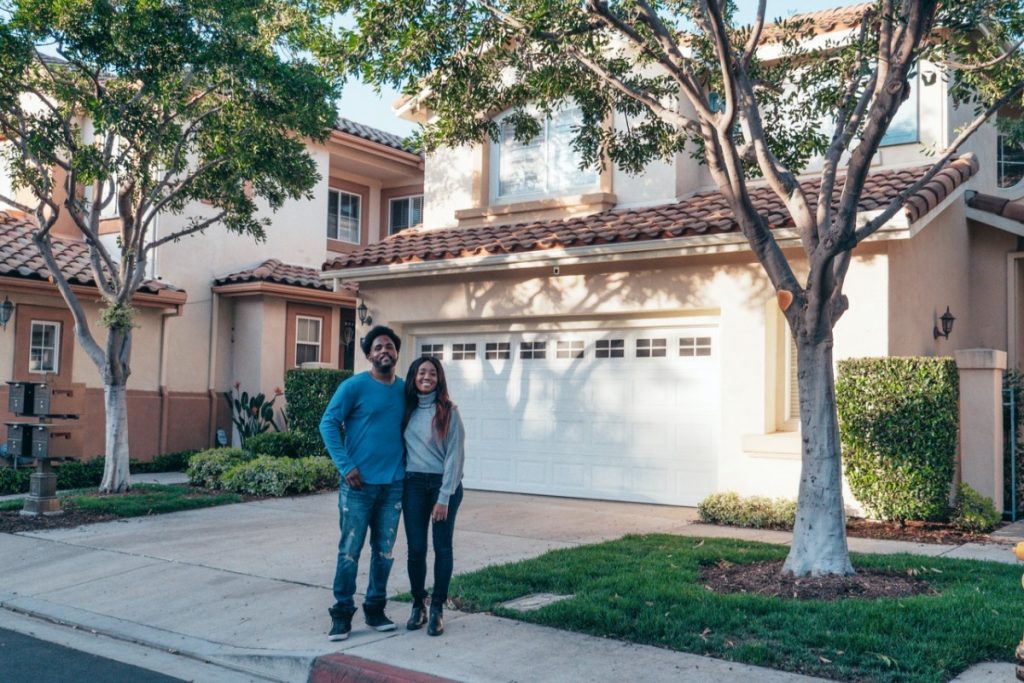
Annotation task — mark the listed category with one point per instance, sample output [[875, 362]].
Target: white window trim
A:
[[495, 171], [359, 216], [319, 341], [56, 346], [406, 198]]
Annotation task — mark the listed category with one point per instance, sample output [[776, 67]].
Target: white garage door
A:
[[612, 414]]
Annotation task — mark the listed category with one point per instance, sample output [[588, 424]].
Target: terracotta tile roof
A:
[[20, 258], [375, 135], [997, 205], [822, 21], [702, 214], [273, 270]]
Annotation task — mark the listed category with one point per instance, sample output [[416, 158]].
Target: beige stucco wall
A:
[[731, 288]]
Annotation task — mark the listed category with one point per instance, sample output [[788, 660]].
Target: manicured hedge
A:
[[276, 444], [898, 423], [308, 392], [758, 512]]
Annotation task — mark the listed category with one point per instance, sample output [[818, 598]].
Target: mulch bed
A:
[[765, 578], [12, 521], [918, 532]]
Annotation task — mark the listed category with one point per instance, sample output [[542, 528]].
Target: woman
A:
[[434, 446]]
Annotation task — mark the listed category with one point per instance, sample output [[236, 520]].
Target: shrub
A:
[[269, 476], [167, 462], [898, 423], [308, 392], [76, 474], [757, 512], [14, 481], [276, 444], [974, 512], [206, 467]]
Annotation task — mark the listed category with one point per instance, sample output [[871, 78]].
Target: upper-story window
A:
[[405, 212], [904, 127], [545, 166], [1009, 162], [343, 214]]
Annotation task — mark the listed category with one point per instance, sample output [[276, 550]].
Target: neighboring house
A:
[[613, 337], [253, 310]]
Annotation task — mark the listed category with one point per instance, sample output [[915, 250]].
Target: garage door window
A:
[[610, 348], [432, 351], [651, 348], [694, 346], [463, 351], [533, 350], [569, 349], [497, 350]]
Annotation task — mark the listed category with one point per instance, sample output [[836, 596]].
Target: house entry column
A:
[[981, 420]]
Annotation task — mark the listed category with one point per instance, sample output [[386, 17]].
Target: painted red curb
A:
[[339, 668]]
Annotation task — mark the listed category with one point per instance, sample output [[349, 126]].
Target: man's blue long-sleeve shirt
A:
[[372, 414]]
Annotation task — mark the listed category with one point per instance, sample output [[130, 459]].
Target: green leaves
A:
[[898, 421]]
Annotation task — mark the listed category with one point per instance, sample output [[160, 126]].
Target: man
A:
[[370, 406]]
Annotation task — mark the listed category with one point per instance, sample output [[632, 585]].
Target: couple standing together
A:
[[403, 448]]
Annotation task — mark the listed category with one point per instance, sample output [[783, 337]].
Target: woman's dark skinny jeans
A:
[[418, 500]]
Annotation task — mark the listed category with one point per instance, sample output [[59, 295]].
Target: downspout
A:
[[211, 367], [165, 402]]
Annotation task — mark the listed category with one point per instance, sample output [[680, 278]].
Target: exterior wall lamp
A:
[[6, 310], [947, 325], [348, 332], [364, 314]]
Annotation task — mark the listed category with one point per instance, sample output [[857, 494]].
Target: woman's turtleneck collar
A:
[[427, 400]]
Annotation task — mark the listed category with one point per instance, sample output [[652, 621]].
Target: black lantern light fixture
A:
[[348, 332], [947, 325], [364, 314], [6, 310]]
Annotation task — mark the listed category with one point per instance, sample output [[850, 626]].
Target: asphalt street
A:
[[24, 659]]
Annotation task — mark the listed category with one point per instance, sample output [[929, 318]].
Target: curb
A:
[[339, 668]]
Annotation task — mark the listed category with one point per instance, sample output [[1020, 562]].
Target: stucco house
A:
[[612, 336], [217, 308]]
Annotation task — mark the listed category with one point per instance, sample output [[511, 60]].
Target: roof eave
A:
[[897, 227]]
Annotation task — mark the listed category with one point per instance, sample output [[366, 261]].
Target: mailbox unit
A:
[[19, 397]]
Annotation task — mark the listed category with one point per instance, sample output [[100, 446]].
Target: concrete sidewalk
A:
[[240, 592]]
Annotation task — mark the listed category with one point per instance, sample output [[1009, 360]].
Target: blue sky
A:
[[360, 103]]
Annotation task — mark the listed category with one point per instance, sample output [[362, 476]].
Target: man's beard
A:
[[384, 365]]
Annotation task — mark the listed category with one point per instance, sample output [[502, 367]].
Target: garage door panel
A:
[[627, 428]]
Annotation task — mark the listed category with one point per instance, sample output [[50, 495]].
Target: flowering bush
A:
[[251, 415]]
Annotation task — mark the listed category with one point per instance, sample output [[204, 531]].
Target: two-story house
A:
[[612, 336], [217, 308]]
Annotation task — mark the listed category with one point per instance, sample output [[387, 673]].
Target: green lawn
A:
[[646, 589], [144, 499]]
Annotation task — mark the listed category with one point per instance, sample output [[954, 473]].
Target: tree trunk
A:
[[116, 478], [819, 534]]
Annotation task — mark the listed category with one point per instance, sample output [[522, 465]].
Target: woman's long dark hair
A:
[[443, 413]]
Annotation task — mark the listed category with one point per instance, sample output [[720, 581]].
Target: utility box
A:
[[55, 401], [55, 441], [19, 397], [19, 440]]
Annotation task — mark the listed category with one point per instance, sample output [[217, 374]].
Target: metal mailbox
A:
[[19, 397], [54, 441], [52, 400], [19, 440]]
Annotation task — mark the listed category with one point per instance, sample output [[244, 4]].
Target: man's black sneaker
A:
[[377, 620], [417, 618], [341, 623]]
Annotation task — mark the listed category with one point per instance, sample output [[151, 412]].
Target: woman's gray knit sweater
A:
[[425, 454]]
